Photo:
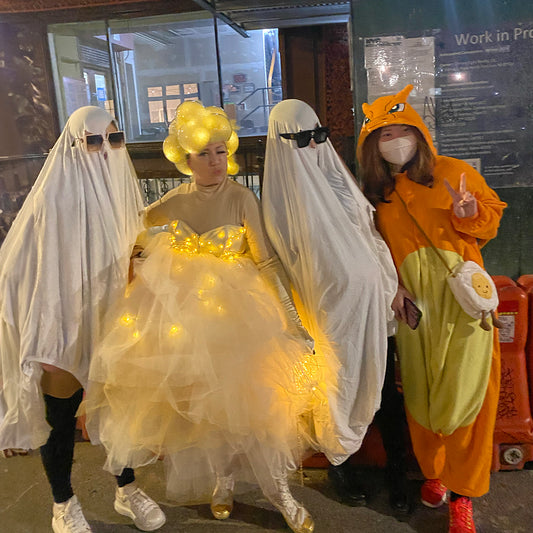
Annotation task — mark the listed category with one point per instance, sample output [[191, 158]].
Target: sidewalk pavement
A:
[[26, 502]]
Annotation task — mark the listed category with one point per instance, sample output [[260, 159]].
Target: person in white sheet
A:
[[322, 228], [63, 261], [204, 360]]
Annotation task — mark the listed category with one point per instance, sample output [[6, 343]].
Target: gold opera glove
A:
[[295, 514], [222, 499]]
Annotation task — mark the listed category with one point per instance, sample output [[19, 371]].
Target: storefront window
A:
[[159, 62], [165, 99], [81, 66], [251, 75]]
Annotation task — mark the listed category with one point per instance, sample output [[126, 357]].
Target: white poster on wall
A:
[[392, 62], [75, 94]]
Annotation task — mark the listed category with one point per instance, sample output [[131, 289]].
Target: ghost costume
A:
[[63, 261], [322, 228]]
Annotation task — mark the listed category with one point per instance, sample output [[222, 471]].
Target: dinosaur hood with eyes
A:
[[388, 110]]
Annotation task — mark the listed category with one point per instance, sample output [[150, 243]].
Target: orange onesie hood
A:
[[388, 110]]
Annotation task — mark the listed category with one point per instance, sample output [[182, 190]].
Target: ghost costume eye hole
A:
[[396, 108]]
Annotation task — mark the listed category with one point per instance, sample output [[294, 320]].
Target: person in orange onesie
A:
[[450, 366]]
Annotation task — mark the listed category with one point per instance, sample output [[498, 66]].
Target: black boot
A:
[[346, 485], [400, 496]]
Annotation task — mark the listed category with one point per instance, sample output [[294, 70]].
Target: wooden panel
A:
[[316, 69], [299, 61]]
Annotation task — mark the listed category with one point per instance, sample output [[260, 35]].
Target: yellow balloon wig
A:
[[196, 126]]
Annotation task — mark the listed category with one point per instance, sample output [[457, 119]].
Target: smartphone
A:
[[413, 313]]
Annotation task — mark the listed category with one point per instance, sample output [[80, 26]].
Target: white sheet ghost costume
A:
[[323, 230], [64, 260]]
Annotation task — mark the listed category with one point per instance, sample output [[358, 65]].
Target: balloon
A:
[[195, 127], [173, 128], [218, 126], [172, 149], [232, 143], [183, 167], [233, 167], [189, 109], [192, 138]]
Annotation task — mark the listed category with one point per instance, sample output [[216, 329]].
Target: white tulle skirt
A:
[[197, 366]]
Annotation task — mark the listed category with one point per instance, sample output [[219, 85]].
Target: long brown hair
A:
[[378, 180]]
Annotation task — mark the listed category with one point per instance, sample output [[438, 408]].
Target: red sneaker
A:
[[433, 493], [461, 519]]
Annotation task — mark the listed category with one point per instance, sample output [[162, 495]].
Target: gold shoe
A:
[[221, 511], [222, 499], [302, 523], [296, 515]]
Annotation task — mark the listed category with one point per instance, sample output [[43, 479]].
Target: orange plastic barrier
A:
[[526, 282], [513, 435], [503, 281]]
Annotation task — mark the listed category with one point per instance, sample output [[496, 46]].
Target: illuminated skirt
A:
[[197, 366]]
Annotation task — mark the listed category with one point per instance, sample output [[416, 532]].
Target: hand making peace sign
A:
[[464, 202]]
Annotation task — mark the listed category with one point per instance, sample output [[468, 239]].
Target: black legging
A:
[[58, 452], [391, 419]]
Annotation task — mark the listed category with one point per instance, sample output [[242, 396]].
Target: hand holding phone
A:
[[412, 312]]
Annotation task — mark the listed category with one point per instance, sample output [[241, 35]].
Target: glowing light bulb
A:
[[127, 319], [175, 330]]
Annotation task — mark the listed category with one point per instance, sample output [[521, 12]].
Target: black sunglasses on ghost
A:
[[303, 138], [93, 142]]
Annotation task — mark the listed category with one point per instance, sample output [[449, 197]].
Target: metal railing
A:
[[155, 188], [269, 98]]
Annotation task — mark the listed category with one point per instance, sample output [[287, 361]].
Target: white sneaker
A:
[[131, 501], [68, 517]]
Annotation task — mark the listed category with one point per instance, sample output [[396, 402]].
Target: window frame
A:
[[164, 98]]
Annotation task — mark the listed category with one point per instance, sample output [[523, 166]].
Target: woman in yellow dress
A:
[[205, 361]]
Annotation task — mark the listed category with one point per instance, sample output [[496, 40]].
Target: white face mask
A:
[[398, 151]]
